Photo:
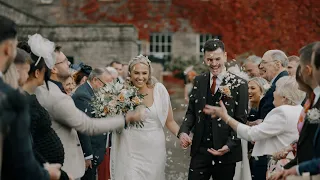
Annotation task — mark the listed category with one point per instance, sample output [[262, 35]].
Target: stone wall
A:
[[96, 45], [19, 16], [185, 45]]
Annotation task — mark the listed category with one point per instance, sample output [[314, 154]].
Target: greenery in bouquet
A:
[[178, 65], [117, 98]]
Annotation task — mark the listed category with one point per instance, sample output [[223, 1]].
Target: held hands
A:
[[88, 163], [283, 153], [219, 152], [280, 155], [53, 170], [185, 140], [215, 111], [283, 174]]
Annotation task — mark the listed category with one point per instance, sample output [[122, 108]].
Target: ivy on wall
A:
[[245, 25]]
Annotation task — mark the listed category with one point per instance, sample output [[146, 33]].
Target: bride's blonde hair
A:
[[143, 60]]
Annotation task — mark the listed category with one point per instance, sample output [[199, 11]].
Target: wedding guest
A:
[[268, 137], [68, 85], [114, 73], [22, 62], [67, 119], [47, 146], [316, 64], [18, 159], [208, 132], [189, 85], [307, 83], [11, 77], [93, 147], [307, 130], [119, 67], [251, 66], [82, 74], [257, 89], [104, 168], [312, 166], [125, 68], [292, 65], [273, 66]]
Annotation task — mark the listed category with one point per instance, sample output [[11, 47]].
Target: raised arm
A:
[[65, 112], [262, 131]]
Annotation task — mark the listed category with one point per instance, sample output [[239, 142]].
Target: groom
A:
[[215, 147]]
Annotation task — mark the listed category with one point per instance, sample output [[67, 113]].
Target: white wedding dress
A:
[[140, 153]]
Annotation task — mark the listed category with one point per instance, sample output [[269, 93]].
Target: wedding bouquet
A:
[[116, 98]]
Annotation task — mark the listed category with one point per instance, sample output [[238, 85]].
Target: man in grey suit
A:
[[67, 119], [93, 147]]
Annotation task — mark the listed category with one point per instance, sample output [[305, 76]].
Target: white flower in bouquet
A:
[[118, 86]]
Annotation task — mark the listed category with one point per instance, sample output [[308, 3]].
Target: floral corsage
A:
[[313, 115]]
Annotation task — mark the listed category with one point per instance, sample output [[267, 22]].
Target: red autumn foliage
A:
[[245, 25]]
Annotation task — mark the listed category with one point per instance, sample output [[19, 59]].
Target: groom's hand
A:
[[219, 152], [185, 140]]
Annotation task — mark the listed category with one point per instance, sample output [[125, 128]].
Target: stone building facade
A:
[[161, 46], [96, 45]]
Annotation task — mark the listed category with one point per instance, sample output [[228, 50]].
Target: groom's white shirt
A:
[[316, 92], [67, 119], [218, 80]]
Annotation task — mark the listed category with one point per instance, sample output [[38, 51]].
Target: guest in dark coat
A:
[[308, 147], [313, 166], [47, 146], [93, 147], [272, 66], [18, 160]]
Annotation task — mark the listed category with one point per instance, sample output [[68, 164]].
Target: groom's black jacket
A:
[[222, 134]]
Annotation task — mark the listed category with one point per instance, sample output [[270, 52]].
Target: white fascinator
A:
[[44, 48]]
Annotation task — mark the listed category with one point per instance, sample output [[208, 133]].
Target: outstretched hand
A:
[[219, 152], [215, 111]]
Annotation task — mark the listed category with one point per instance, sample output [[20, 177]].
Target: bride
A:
[[140, 153]]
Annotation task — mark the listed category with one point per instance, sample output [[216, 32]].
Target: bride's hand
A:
[[216, 111]]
